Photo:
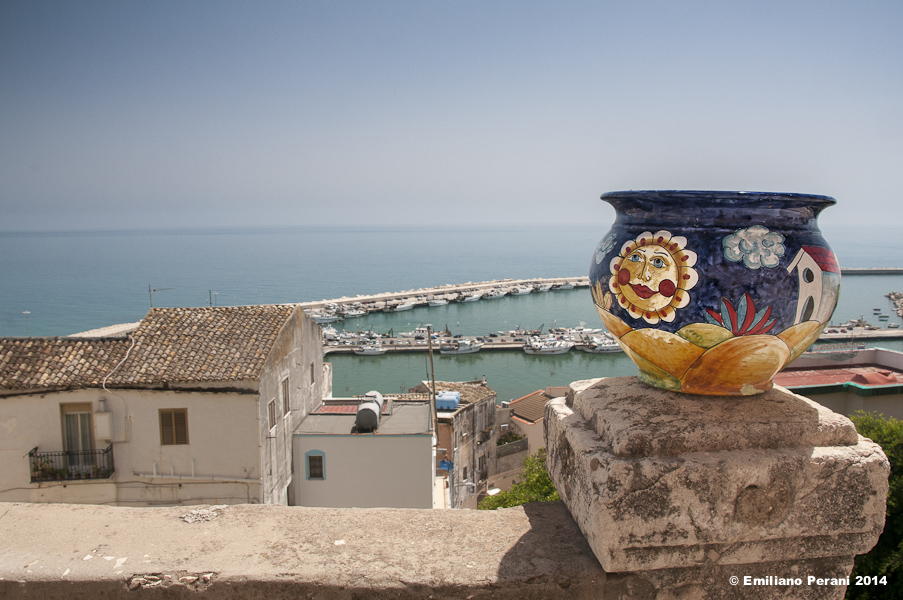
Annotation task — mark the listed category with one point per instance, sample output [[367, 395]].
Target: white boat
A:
[[472, 297], [522, 290], [580, 331], [600, 345], [518, 333], [462, 346], [544, 287], [322, 318], [421, 332], [495, 294], [565, 286], [370, 350], [406, 305], [547, 346], [351, 313], [438, 302]]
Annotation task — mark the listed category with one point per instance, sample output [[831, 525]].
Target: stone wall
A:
[[687, 491], [69, 552]]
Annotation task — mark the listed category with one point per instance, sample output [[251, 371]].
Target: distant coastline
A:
[[872, 271]]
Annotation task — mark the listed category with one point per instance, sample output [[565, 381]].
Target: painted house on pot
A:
[[196, 406], [819, 274]]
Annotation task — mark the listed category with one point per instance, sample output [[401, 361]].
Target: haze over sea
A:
[[75, 281]]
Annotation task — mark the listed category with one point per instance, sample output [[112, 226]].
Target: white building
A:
[[196, 406], [466, 438], [365, 453]]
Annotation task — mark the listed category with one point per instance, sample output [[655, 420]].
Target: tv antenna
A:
[[150, 293]]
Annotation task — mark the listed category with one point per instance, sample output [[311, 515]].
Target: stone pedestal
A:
[[685, 492]]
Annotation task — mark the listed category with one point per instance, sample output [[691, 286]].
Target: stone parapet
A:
[[75, 552], [677, 488]]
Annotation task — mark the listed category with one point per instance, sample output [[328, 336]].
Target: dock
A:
[[860, 334], [872, 271], [406, 346], [449, 292]]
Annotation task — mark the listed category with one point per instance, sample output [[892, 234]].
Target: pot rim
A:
[[716, 196]]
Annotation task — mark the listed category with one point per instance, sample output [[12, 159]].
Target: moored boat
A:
[[547, 346], [406, 305], [374, 349], [600, 345], [421, 332], [461, 346], [322, 318]]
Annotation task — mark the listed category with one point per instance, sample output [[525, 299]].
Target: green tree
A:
[[535, 486], [886, 558]]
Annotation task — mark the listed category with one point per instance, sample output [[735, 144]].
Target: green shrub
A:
[[535, 486], [886, 558], [507, 438]]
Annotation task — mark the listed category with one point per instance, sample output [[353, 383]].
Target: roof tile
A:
[[170, 345]]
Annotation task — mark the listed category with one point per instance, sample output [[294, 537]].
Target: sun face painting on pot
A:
[[651, 276]]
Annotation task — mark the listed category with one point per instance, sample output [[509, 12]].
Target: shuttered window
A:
[[174, 426], [286, 401], [271, 412]]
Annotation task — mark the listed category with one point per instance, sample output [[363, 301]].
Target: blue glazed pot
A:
[[714, 292]]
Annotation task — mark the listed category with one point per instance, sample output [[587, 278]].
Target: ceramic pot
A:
[[714, 292]]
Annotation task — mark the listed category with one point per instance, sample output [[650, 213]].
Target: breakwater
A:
[[872, 271], [389, 301]]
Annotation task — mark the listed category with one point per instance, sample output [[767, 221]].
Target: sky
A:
[[159, 114]]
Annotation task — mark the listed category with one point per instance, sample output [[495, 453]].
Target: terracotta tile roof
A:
[[530, 408], [173, 345], [862, 374], [30, 363], [471, 391], [225, 343]]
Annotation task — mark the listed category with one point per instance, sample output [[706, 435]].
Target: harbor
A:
[[424, 339]]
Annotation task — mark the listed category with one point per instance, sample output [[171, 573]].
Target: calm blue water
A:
[[72, 282]]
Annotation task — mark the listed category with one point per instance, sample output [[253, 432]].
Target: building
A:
[[365, 453], [197, 405], [466, 438], [521, 418], [848, 380]]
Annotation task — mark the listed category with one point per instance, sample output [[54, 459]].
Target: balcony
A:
[[70, 466]]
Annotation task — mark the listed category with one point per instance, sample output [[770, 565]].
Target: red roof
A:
[[345, 408], [824, 258], [861, 374], [530, 408]]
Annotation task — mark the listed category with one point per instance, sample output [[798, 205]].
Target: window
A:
[[311, 373], [271, 409], [286, 405], [315, 464], [173, 426], [78, 435]]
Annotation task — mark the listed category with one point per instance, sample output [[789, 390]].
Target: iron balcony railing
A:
[[68, 466]]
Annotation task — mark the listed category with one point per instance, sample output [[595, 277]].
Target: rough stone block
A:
[[663, 480]]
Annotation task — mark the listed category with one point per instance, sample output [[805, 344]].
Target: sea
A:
[[59, 283]]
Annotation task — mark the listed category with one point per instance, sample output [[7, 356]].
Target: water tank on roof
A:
[[448, 401], [368, 412]]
